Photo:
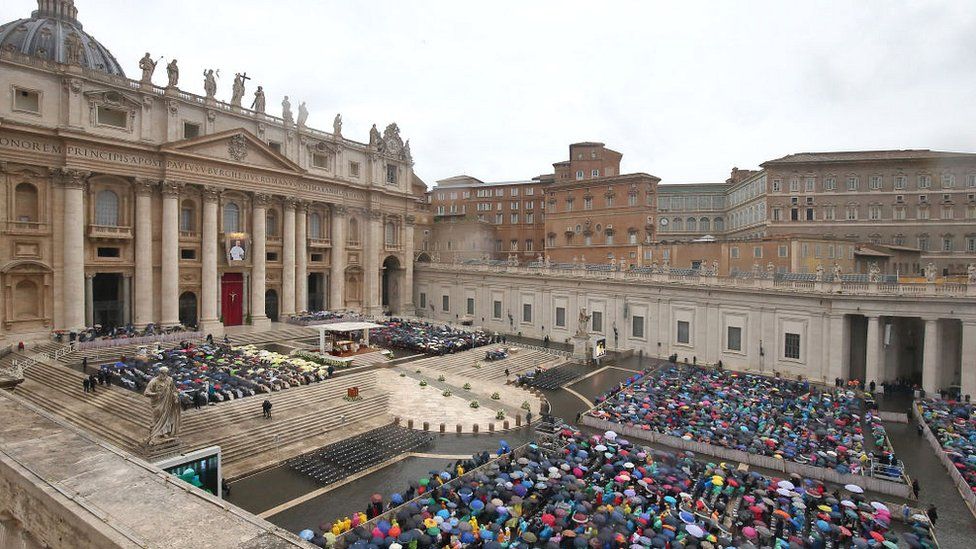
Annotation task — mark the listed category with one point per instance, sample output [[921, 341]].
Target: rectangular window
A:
[[561, 317], [423, 300], [852, 213], [530, 218], [513, 245], [757, 252], [275, 146], [876, 182], [947, 244], [899, 213], [27, 101], [108, 252], [923, 212], [595, 173], [354, 169], [734, 252], [188, 254], [852, 183], [190, 130], [513, 205], [116, 118], [948, 181], [794, 184], [579, 174], [971, 244], [900, 182], [971, 180], [875, 212], [783, 251], [320, 161], [810, 215], [924, 181], [830, 184], [528, 245], [271, 256], [526, 312], [777, 185], [470, 306], [946, 212], [632, 200], [316, 258], [637, 327], [587, 203], [391, 176], [597, 321], [684, 332], [515, 218], [445, 303], [777, 214], [734, 339], [810, 184], [791, 346], [499, 219], [923, 243], [496, 310], [514, 191]]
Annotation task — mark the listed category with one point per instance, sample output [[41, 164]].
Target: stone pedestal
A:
[[581, 347], [157, 452]]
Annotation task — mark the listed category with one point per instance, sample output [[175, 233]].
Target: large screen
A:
[[200, 468]]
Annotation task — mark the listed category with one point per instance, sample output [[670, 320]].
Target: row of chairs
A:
[[346, 457], [553, 378]]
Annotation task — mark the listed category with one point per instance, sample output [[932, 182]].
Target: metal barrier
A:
[[962, 486]]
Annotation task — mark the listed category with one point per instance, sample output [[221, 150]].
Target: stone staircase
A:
[[121, 417]]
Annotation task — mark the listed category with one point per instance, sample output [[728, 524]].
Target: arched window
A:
[[271, 223], [704, 224], [391, 233], [188, 211], [677, 224], [232, 218], [107, 208], [26, 300], [314, 226], [25, 202], [691, 224], [353, 236]]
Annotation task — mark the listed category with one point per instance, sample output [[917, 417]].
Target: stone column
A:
[[337, 286], [406, 291], [930, 357], [209, 320], [968, 359], [89, 300], [170, 268], [145, 293], [835, 368], [301, 257], [126, 299], [259, 258], [372, 252], [288, 261], [73, 288], [874, 360]]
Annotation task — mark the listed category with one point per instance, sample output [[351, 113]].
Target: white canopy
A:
[[347, 326]]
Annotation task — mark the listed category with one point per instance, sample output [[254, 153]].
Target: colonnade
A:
[[77, 291]]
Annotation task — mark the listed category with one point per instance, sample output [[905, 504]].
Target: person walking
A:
[[933, 514], [86, 383], [507, 373], [915, 487], [266, 407], [545, 341], [92, 382]]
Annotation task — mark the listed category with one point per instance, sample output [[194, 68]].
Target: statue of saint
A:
[[837, 273], [165, 401], [820, 272], [148, 66], [73, 48], [714, 267], [971, 273], [337, 125], [930, 273], [286, 111], [210, 83], [173, 74], [874, 272], [258, 103], [406, 151], [302, 114], [584, 323], [375, 139], [238, 91]]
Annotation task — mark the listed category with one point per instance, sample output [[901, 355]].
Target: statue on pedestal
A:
[[583, 323], [286, 111], [337, 126], [148, 67], [930, 272], [165, 401], [238, 91], [820, 272], [837, 272], [714, 267], [74, 49], [302, 114], [259, 101], [971, 273], [874, 272], [375, 139], [210, 83], [173, 74]]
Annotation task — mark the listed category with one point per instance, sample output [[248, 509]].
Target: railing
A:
[[189, 235], [319, 242], [26, 227], [762, 279], [109, 231], [143, 340]]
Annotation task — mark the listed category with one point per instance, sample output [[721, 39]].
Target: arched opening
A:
[[392, 281], [188, 309], [354, 287], [107, 208], [25, 203], [316, 292], [271, 305], [27, 300], [424, 257]]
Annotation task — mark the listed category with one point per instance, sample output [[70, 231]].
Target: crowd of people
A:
[[211, 373], [98, 333], [424, 337], [321, 317], [768, 416], [606, 492], [954, 425]]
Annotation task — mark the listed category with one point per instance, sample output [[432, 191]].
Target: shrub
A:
[[446, 393], [403, 374], [500, 415], [526, 405], [467, 387], [474, 404], [423, 383], [496, 396], [440, 378]]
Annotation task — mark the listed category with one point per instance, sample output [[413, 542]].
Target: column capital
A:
[[262, 200], [73, 179], [291, 204], [143, 187], [210, 193], [374, 214], [338, 210], [172, 189], [410, 220]]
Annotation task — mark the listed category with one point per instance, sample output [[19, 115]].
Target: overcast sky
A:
[[497, 90]]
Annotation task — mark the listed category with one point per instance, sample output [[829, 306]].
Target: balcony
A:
[[26, 227], [353, 244], [189, 236], [319, 243], [393, 246], [273, 240], [109, 232]]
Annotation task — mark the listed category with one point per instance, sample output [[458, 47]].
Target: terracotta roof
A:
[[860, 156]]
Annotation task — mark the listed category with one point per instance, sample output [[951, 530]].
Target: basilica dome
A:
[[53, 32]]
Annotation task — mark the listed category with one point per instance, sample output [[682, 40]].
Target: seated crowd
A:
[[98, 332], [424, 337], [954, 425], [216, 373], [321, 317], [761, 415], [606, 492]]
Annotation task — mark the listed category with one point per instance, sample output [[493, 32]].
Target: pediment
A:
[[236, 146]]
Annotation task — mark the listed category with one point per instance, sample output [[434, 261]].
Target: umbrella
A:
[[879, 506], [854, 488]]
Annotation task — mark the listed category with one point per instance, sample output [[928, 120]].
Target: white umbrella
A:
[[785, 484], [854, 489]]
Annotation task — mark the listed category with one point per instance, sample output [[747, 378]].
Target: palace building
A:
[[127, 201]]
